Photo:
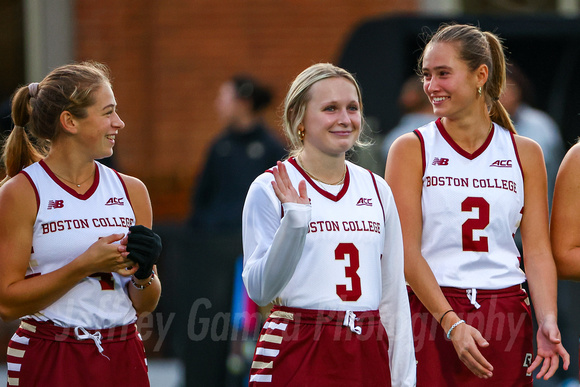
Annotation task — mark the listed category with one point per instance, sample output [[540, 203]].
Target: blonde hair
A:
[[298, 97], [476, 47]]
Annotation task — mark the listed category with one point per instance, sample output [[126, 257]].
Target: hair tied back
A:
[[33, 89]]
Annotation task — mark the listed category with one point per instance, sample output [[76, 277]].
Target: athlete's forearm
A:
[[28, 296], [267, 274], [144, 294], [425, 286], [542, 282]]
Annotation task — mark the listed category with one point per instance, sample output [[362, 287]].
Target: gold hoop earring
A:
[[479, 91]]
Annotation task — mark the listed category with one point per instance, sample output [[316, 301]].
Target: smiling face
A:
[[98, 130], [448, 82], [332, 119]]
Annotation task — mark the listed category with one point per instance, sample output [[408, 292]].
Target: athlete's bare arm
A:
[[404, 171], [565, 224], [20, 296], [538, 261], [144, 301]]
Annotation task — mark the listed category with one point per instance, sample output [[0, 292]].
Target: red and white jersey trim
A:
[[472, 206]]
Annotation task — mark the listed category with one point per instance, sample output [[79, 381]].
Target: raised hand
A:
[[284, 189]]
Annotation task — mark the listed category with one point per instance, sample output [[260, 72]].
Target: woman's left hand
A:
[[550, 349]]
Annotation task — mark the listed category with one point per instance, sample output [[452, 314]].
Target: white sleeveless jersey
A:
[[67, 223], [472, 206]]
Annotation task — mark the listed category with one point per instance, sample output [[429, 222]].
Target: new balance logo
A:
[[502, 163], [115, 202], [55, 204], [440, 161], [364, 202]]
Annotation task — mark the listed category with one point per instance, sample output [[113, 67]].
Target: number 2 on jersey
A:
[[340, 253], [469, 244]]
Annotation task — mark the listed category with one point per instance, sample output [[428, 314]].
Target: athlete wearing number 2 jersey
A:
[[472, 205], [463, 185]]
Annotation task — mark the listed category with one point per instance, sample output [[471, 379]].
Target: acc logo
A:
[[115, 201], [364, 202], [55, 204], [440, 161], [502, 163], [527, 362]]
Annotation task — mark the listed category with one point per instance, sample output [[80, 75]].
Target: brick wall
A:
[[168, 59]]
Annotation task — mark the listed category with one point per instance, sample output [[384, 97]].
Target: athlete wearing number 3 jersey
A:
[[325, 245]]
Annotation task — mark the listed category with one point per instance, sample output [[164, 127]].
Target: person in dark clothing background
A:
[[243, 151], [211, 239]]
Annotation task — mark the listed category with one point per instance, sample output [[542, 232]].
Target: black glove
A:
[[144, 247]]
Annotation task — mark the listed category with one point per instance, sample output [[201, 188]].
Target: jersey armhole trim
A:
[[379, 196], [124, 188], [517, 154], [422, 141], [35, 190]]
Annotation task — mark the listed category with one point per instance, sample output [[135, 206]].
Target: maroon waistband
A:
[[316, 316], [49, 331], [481, 293]]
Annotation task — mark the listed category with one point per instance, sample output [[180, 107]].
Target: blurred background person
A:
[[246, 142], [518, 99], [211, 241], [417, 111]]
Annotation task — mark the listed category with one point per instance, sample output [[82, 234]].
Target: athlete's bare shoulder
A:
[[407, 141], [139, 196], [18, 196], [570, 164], [574, 152], [405, 152], [132, 182], [529, 151]]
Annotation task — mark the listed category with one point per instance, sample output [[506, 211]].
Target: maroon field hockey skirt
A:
[[302, 347], [504, 320], [42, 354]]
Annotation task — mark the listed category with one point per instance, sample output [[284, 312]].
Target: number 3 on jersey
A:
[[479, 223], [340, 253]]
